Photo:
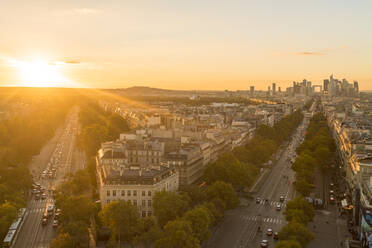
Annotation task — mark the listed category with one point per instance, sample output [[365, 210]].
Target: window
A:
[[143, 203], [143, 193], [123, 193], [134, 192], [129, 193], [149, 213], [143, 213], [149, 203], [108, 192], [114, 193], [134, 202], [149, 193]]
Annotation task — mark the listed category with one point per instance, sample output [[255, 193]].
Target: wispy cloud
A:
[[86, 11], [321, 52], [306, 53]]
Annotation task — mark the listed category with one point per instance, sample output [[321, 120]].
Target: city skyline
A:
[[193, 45]]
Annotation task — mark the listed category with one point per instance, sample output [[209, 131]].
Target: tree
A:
[[300, 203], [63, 240], [8, 213], [288, 244], [223, 191], [304, 187], [122, 218], [200, 219], [296, 231], [169, 206], [149, 232], [296, 215], [178, 234]]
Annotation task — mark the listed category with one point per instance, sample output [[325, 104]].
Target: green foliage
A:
[[316, 150], [169, 206], [63, 240], [123, 219], [223, 192], [98, 126], [8, 213], [31, 121], [178, 234], [229, 169], [300, 203], [200, 219], [296, 231], [288, 244], [148, 233]]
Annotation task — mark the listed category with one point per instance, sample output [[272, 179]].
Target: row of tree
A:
[[315, 152], [240, 167], [76, 195], [183, 219], [295, 233], [98, 126], [31, 121]]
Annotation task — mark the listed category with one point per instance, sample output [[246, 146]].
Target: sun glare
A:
[[40, 73]]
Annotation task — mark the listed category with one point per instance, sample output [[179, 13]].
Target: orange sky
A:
[[183, 44]]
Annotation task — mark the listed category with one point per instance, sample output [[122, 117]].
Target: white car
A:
[[269, 232], [278, 207], [264, 243]]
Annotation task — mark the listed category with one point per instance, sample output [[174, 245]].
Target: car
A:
[[278, 207], [43, 196], [264, 243], [44, 221], [281, 199], [55, 223], [258, 200], [37, 196], [331, 192], [269, 232], [58, 211], [56, 216], [332, 200], [276, 235]]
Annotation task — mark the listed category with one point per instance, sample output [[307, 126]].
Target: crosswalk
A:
[[273, 203], [263, 219]]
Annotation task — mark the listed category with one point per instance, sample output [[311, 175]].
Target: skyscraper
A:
[[274, 89], [251, 90], [356, 87], [325, 85]]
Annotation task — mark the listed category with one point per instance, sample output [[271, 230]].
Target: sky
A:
[[193, 44]]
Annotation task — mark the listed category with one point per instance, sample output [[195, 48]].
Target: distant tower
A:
[[325, 84], [279, 89], [274, 89], [268, 90], [251, 90], [356, 87]]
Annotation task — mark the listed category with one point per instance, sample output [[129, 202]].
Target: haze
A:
[[183, 44]]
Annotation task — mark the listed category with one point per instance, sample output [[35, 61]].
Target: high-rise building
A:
[[326, 85], [356, 87], [251, 90], [279, 89], [332, 89], [274, 89]]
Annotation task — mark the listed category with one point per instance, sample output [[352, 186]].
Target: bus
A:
[[14, 228]]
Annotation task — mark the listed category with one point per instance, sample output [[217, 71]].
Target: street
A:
[[60, 157], [247, 226]]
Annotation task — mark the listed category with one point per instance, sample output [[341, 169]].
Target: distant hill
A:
[[148, 91]]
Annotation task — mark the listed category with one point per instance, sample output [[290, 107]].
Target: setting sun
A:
[[40, 73]]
